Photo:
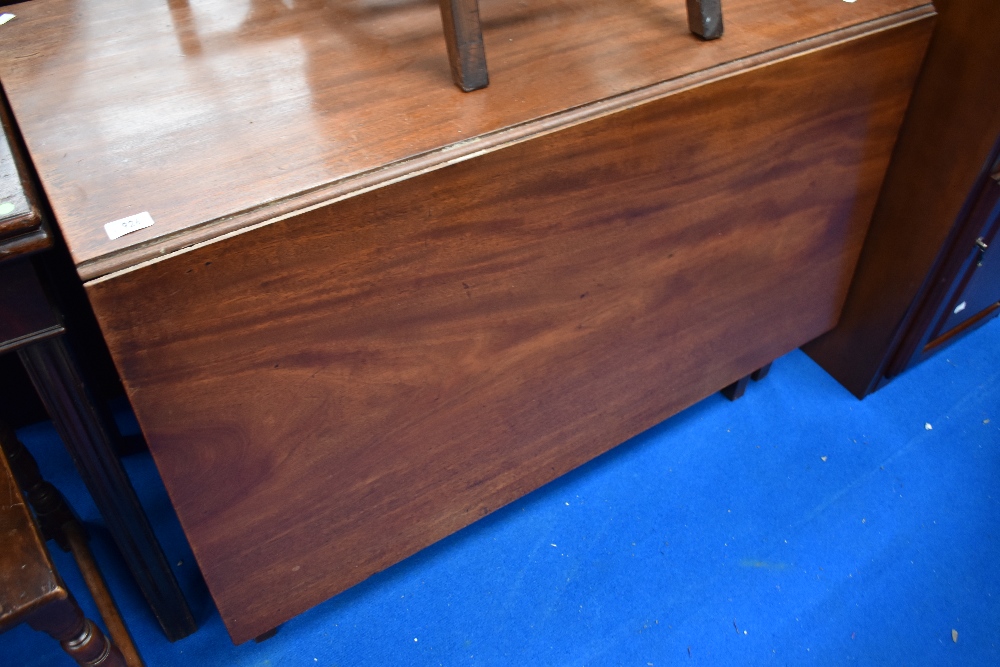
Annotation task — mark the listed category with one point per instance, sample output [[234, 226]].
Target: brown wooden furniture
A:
[[935, 204], [736, 390], [372, 309], [57, 521], [965, 292], [32, 592], [33, 326]]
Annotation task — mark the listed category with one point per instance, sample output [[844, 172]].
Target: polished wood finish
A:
[[230, 113], [942, 153], [17, 214], [22, 229], [32, 325], [327, 394], [373, 309], [85, 429], [30, 590], [464, 38], [467, 55]]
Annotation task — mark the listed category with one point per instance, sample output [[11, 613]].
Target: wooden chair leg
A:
[[736, 389], [464, 37], [705, 18], [80, 637]]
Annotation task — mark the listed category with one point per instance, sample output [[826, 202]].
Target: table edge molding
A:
[[131, 258]]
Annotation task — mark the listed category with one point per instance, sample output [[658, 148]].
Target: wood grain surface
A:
[[30, 589], [18, 215], [28, 579], [217, 114], [329, 393], [943, 148], [22, 230]]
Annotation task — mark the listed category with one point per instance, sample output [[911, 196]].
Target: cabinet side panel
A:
[[328, 394], [950, 129]]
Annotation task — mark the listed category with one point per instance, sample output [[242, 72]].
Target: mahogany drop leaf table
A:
[[356, 309]]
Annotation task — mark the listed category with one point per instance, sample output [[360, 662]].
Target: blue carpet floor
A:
[[797, 526]]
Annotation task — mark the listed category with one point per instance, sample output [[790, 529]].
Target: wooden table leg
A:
[[57, 380], [760, 373], [736, 389], [464, 36]]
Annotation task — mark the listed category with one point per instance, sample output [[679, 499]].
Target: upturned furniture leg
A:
[[58, 382], [464, 37], [80, 637], [705, 18]]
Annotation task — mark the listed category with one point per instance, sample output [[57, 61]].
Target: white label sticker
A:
[[120, 228]]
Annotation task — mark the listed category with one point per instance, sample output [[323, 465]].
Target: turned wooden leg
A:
[[80, 637], [57, 380], [736, 389], [106, 606], [464, 37], [705, 18], [59, 523], [760, 373], [48, 503]]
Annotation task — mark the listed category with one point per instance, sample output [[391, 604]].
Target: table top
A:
[[217, 115], [17, 215], [21, 229]]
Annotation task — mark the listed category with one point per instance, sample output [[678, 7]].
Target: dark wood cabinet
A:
[[918, 283], [966, 291]]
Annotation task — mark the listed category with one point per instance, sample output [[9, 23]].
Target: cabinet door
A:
[[977, 290]]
